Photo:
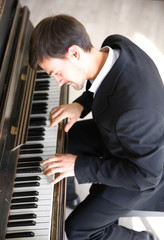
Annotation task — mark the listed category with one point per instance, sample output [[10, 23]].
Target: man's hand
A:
[[71, 111], [60, 163]]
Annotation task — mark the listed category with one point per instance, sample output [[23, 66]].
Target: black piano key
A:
[[41, 85], [45, 94], [31, 178], [24, 206], [20, 235], [30, 139], [30, 164], [39, 111], [26, 184], [40, 96], [33, 151], [21, 223], [30, 159], [36, 134], [37, 121], [39, 105], [42, 82], [34, 109], [42, 75], [22, 216], [32, 146], [29, 170], [35, 130], [24, 200], [42, 88], [24, 194]]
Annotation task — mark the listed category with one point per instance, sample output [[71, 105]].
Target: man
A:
[[120, 150]]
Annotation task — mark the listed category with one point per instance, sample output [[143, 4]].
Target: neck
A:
[[96, 62]]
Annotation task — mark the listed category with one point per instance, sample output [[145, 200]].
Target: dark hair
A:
[[54, 35]]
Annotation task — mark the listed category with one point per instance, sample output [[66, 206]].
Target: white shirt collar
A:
[[111, 59]]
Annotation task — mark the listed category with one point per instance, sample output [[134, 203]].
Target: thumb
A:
[[69, 125]]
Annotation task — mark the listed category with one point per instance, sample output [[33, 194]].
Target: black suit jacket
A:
[[129, 111]]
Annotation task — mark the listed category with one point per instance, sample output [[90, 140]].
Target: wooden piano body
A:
[[17, 84]]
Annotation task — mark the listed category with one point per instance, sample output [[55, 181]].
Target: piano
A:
[[30, 208]]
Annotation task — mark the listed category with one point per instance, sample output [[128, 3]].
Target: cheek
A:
[[70, 72]]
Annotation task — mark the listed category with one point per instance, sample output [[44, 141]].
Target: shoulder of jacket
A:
[[115, 39]]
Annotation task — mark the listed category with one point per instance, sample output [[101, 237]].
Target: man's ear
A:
[[74, 51]]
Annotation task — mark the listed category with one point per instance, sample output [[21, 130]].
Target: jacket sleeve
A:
[[137, 163]]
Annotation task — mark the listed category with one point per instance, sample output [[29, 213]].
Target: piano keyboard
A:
[[30, 212]]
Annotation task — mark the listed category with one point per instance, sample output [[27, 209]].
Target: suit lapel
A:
[[107, 87]]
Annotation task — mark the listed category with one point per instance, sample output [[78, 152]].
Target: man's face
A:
[[65, 71]]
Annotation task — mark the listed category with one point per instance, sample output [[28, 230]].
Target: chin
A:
[[78, 87]]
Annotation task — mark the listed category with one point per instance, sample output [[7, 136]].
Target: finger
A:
[[53, 166], [54, 110], [69, 125], [53, 171], [58, 179], [49, 160], [58, 119], [54, 115]]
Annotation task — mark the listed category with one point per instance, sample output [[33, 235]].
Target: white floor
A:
[[140, 20]]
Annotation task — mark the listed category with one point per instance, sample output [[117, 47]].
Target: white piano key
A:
[[42, 181], [41, 191], [41, 174], [43, 185], [36, 155], [32, 210], [38, 220], [51, 99], [40, 203], [51, 92], [42, 225], [43, 178], [48, 141], [47, 129], [39, 237]]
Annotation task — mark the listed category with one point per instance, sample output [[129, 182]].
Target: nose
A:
[[59, 80], [58, 77]]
